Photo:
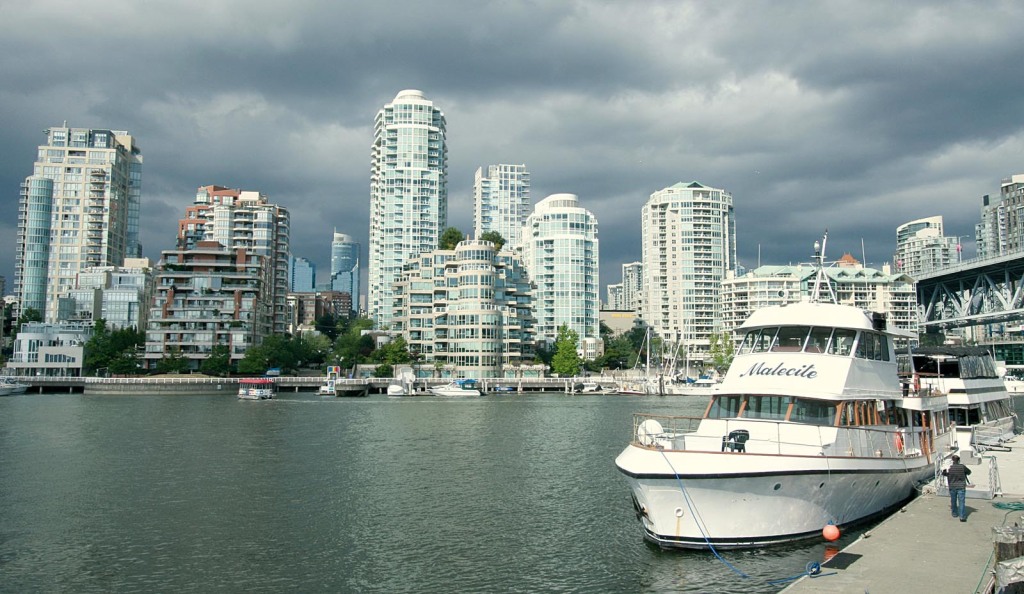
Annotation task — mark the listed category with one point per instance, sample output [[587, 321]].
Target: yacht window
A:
[[747, 344], [762, 339], [842, 342], [791, 338], [818, 340], [725, 407], [813, 412], [767, 407], [883, 347]]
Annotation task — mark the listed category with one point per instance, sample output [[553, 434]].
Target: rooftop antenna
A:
[[819, 278]]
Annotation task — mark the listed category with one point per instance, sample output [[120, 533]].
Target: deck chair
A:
[[736, 441]]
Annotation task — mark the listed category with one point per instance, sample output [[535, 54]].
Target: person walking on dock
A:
[[956, 480]]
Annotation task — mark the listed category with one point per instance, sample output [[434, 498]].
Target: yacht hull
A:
[[728, 500]]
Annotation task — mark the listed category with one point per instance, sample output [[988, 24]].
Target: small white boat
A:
[[256, 388], [10, 386], [459, 388], [402, 384], [595, 388]]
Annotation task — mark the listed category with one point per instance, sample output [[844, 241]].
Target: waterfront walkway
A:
[[922, 548]]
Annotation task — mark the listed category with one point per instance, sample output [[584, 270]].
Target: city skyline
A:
[[856, 120]]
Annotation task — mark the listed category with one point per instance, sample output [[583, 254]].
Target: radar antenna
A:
[[821, 277]]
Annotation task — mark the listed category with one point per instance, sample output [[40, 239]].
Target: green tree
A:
[[172, 362], [721, 349], [106, 346], [619, 352], [396, 351], [30, 314], [328, 326], [315, 348], [450, 238], [125, 363], [566, 361], [218, 363], [352, 348], [384, 370], [495, 238]]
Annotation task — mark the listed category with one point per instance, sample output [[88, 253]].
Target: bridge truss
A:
[[973, 293]]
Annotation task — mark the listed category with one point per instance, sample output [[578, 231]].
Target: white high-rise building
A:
[[408, 193], [501, 201], [78, 209], [689, 242], [345, 270], [922, 247], [1001, 230], [560, 252], [632, 285]]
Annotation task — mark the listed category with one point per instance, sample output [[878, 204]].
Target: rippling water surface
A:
[[207, 493]]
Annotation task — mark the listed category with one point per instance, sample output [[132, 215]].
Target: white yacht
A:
[[459, 387], [810, 427], [980, 406]]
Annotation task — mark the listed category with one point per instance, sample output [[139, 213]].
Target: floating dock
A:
[[922, 548]]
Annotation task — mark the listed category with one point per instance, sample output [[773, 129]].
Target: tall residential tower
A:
[[345, 267], [78, 209], [689, 242], [408, 193], [501, 201]]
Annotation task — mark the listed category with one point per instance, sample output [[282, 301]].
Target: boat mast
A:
[[820, 277]]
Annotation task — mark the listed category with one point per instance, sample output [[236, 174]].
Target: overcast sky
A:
[[851, 116]]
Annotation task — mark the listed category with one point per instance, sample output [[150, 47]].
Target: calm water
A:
[[208, 493]]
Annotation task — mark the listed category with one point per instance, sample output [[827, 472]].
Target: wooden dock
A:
[[922, 548]]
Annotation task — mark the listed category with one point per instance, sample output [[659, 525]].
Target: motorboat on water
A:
[[459, 387], [595, 388], [257, 388], [810, 427], [402, 383], [9, 386], [1013, 384], [980, 406], [702, 386]]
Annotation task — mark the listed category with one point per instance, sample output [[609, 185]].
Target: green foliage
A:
[[328, 326], [218, 363], [450, 238], [172, 362], [30, 314], [566, 361], [544, 352], [384, 370], [495, 238], [394, 352], [721, 350], [350, 348], [315, 349], [106, 348], [619, 352]]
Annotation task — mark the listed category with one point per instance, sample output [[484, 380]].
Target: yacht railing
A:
[[771, 436]]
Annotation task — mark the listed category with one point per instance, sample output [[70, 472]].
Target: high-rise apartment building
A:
[[1001, 230], [78, 209], [922, 247], [501, 201], [467, 310], [119, 295], [561, 254], [301, 275], [632, 285], [615, 301], [689, 243], [243, 219], [408, 193], [345, 268]]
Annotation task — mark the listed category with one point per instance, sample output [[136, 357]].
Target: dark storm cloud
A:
[[856, 117]]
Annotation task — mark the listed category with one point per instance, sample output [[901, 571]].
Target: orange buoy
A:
[[830, 532], [897, 440]]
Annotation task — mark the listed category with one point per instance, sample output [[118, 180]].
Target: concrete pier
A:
[[922, 548]]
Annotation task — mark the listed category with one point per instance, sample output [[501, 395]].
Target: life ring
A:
[[897, 440], [917, 384]]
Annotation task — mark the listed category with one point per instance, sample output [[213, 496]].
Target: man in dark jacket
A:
[[956, 479]]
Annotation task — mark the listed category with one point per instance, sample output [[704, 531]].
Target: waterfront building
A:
[[78, 209], [921, 247], [239, 219], [561, 254], [301, 275], [307, 308], [879, 290], [501, 201], [345, 267], [408, 193], [632, 285], [50, 349], [206, 296], [689, 244], [1001, 230], [615, 300], [467, 312], [119, 295]]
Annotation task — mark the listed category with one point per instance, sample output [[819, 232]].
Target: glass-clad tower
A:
[[560, 253], [689, 242], [408, 193], [501, 201], [93, 196], [345, 266]]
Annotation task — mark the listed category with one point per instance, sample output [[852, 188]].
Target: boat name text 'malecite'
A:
[[804, 371]]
